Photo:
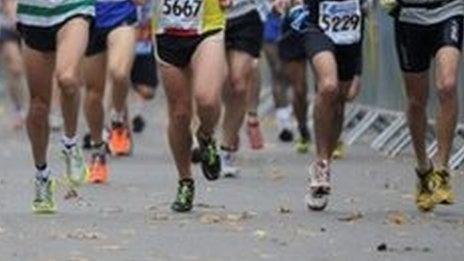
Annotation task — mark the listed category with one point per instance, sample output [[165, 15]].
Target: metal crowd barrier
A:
[[378, 118]]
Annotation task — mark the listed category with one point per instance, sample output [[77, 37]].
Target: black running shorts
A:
[[418, 44], [178, 50], [144, 71], [99, 36], [349, 57], [43, 39], [245, 33]]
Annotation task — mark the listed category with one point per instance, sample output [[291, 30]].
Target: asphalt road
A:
[[259, 216]]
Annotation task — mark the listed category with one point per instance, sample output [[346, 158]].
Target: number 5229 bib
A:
[[341, 21]]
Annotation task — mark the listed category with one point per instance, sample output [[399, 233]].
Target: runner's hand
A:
[[280, 6], [139, 2], [225, 3]]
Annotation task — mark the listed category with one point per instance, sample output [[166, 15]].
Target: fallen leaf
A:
[[356, 215], [81, 234], [260, 234], [211, 218], [70, 194], [397, 218], [284, 210], [245, 215], [110, 247], [2, 230], [277, 175], [111, 210], [208, 206], [160, 217]]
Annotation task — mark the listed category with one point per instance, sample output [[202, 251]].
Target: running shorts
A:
[[245, 33], [179, 50], [348, 57], [144, 71], [418, 44], [99, 36], [43, 39]]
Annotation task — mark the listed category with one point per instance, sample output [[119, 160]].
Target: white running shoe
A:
[[228, 161], [317, 195]]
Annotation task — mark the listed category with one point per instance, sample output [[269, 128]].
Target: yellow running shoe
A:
[[339, 152], [44, 202], [427, 183], [444, 193], [302, 145]]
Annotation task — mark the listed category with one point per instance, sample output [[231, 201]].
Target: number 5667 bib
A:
[[341, 21]]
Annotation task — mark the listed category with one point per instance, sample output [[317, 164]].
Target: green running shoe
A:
[[302, 145], [185, 196], [209, 159], [44, 202], [76, 168]]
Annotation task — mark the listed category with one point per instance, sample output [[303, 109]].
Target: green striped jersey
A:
[[46, 13]]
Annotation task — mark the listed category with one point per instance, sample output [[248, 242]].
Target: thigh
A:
[[39, 69], [413, 48], [209, 67], [295, 72], [72, 40], [121, 48], [176, 83], [325, 69], [12, 57]]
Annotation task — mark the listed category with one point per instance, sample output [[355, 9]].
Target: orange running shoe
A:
[[120, 140], [254, 135], [98, 169]]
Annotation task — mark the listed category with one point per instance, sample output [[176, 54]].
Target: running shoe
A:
[[76, 169], [286, 135], [444, 193], [303, 145], [87, 142], [339, 152], [44, 202], [185, 196], [255, 136], [209, 158], [317, 196], [138, 124], [120, 140], [228, 162], [98, 168], [427, 184]]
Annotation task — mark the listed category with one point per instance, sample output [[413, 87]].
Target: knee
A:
[[119, 75], [68, 81], [180, 116], [94, 96], [38, 111], [328, 89], [238, 85], [447, 88]]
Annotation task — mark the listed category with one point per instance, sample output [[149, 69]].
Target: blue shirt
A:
[[111, 13]]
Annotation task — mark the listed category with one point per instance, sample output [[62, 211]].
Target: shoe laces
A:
[[41, 189], [322, 172]]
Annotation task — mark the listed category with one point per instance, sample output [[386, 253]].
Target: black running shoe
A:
[[138, 124], [286, 135], [185, 196], [209, 158], [87, 142]]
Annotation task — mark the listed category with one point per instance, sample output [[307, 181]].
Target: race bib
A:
[[181, 14], [341, 21]]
